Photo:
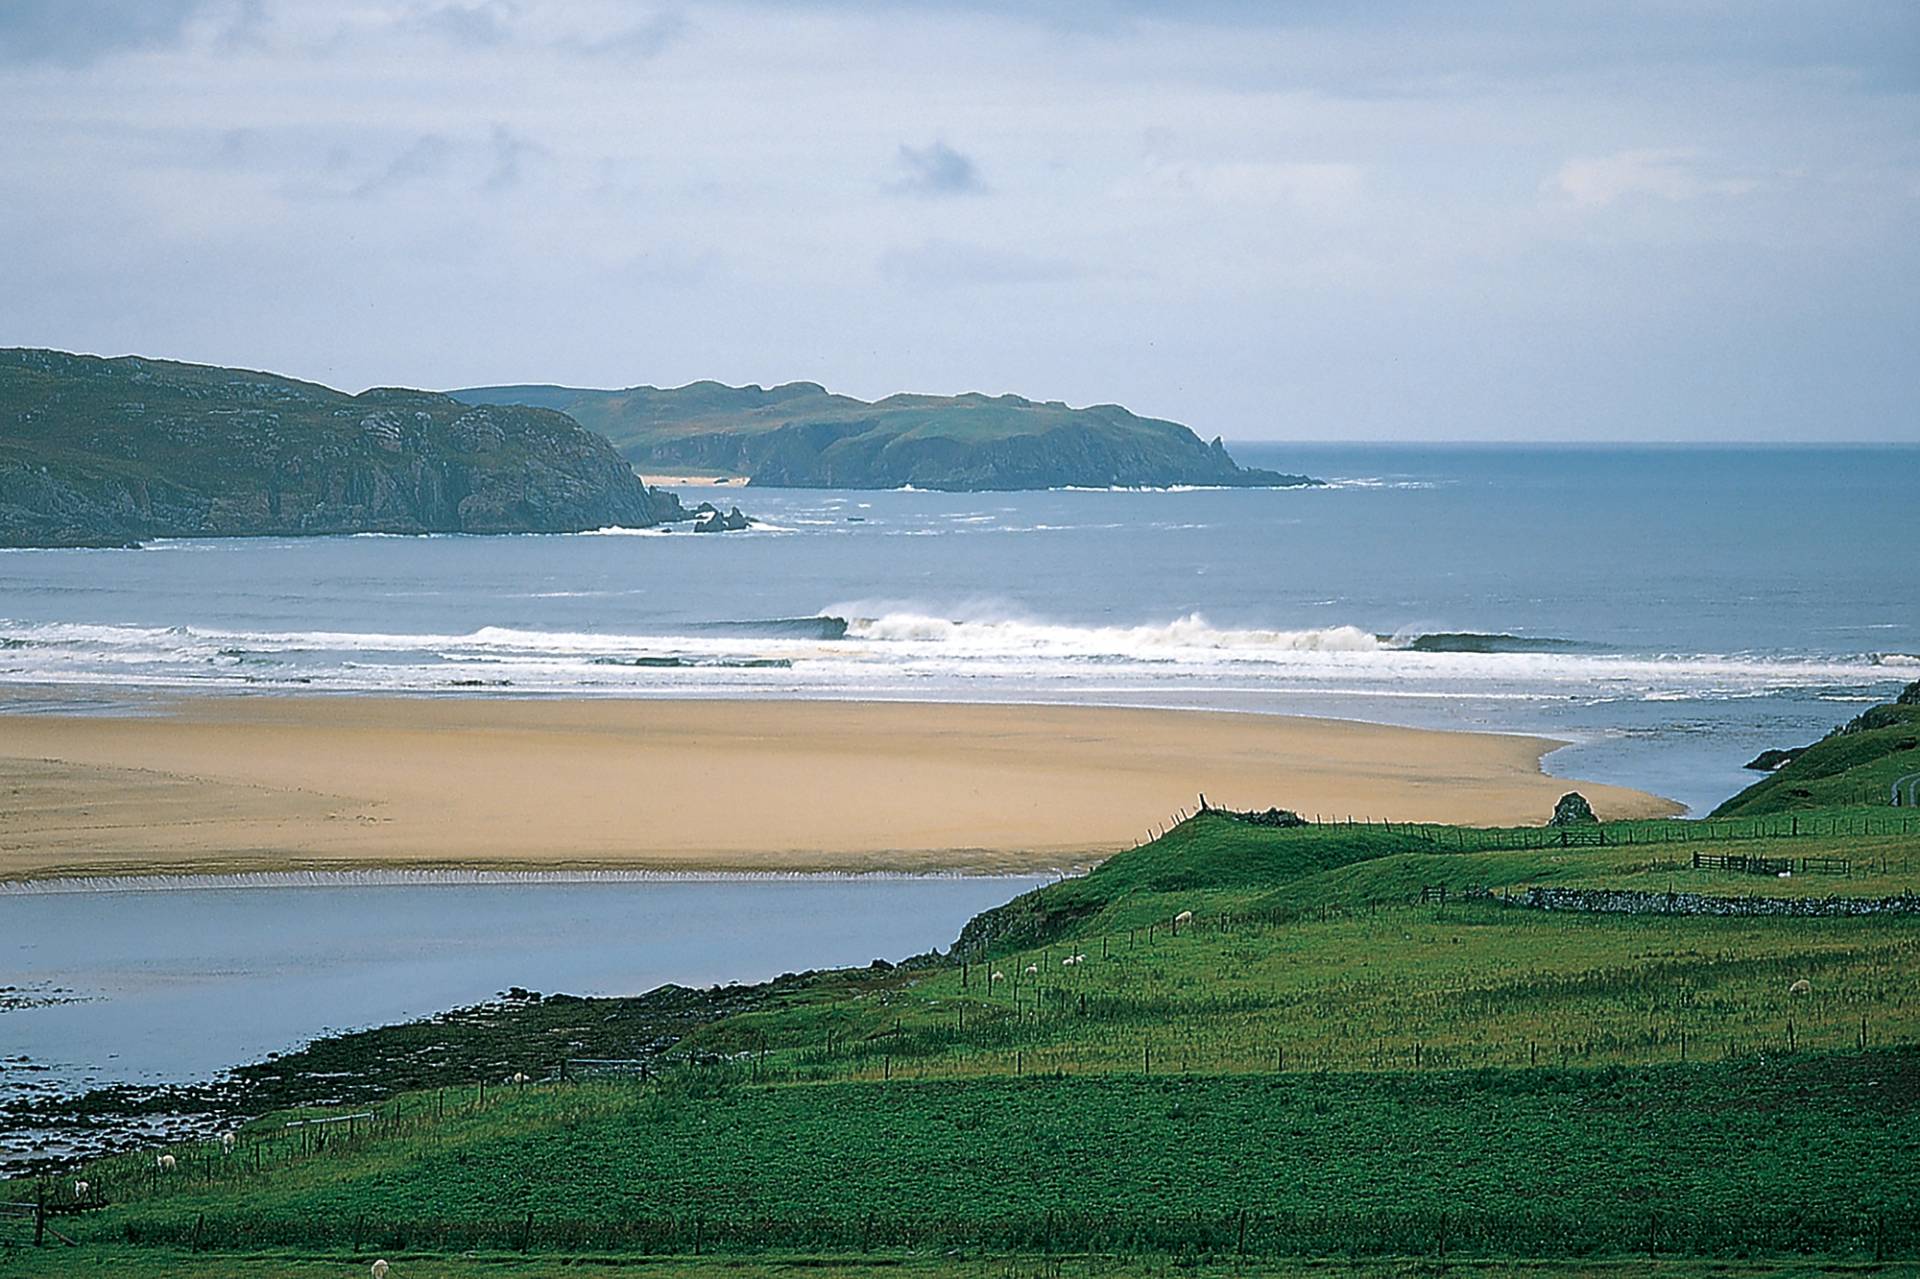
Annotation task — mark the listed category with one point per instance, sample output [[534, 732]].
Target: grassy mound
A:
[[1855, 764]]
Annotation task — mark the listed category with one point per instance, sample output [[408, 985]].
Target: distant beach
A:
[[226, 785]]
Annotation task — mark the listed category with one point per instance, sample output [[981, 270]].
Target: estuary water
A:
[[177, 984], [1671, 611]]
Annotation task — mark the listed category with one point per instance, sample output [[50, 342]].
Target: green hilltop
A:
[[108, 451], [800, 435]]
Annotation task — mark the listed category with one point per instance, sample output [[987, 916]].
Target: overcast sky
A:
[[1623, 221]]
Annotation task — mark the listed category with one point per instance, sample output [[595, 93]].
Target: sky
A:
[[1640, 220]]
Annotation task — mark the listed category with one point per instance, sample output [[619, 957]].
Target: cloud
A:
[[1669, 174], [1320, 186], [948, 263], [509, 149], [936, 170], [425, 158], [642, 40], [480, 25], [77, 32]]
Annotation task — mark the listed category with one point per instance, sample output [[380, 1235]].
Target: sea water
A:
[[1669, 611]]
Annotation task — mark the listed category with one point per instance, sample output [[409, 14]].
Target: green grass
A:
[[1857, 763], [122, 1262], [1692, 1159], [1316, 1064]]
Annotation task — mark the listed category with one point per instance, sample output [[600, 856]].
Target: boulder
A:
[[1572, 810]]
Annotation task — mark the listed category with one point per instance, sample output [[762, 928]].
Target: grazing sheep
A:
[[226, 1143], [379, 1269], [166, 1163], [1184, 917], [80, 1189], [1033, 970], [1801, 987], [519, 1077]]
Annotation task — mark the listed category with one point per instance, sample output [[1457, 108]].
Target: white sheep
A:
[[166, 1163], [80, 1189], [997, 977], [1184, 917], [379, 1269], [519, 1077], [1801, 987], [226, 1143], [1033, 970]]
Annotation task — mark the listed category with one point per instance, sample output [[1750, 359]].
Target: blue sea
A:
[[1667, 611]]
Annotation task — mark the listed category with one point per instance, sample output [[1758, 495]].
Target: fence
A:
[[1476, 839], [1551, 1230]]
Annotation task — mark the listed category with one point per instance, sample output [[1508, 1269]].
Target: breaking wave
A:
[[901, 649]]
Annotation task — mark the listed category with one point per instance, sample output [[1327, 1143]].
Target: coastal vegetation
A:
[[1246, 1041], [799, 435], [1858, 762], [110, 451]]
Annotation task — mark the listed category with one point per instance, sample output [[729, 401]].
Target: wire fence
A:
[[1554, 1229]]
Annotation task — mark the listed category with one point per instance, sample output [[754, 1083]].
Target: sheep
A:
[[1033, 970], [519, 1077], [998, 976], [379, 1269], [1801, 987], [1184, 917], [166, 1163], [226, 1143], [80, 1189]]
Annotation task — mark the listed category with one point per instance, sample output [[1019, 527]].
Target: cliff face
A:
[[102, 451], [799, 435]]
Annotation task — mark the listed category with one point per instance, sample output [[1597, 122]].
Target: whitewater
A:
[[1669, 612]]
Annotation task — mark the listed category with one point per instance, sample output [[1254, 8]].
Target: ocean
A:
[[1668, 611]]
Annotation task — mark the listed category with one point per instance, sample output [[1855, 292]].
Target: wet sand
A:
[[240, 784]]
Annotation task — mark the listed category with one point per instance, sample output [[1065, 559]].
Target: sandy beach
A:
[[238, 784]]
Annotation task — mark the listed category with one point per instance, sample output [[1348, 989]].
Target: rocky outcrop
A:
[[97, 451], [1768, 761], [708, 519]]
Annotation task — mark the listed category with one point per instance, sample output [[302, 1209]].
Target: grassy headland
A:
[[801, 436], [108, 451]]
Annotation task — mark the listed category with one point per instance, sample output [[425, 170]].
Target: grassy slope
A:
[[1357, 1071], [1538, 1162], [1347, 1079], [1857, 764]]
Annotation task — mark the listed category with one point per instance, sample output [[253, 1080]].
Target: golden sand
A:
[[235, 784]]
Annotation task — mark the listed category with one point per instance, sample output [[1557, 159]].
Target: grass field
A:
[[1315, 1065], [162, 1263]]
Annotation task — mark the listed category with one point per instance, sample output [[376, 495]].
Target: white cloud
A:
[[1669, 174], [1339, 209]]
